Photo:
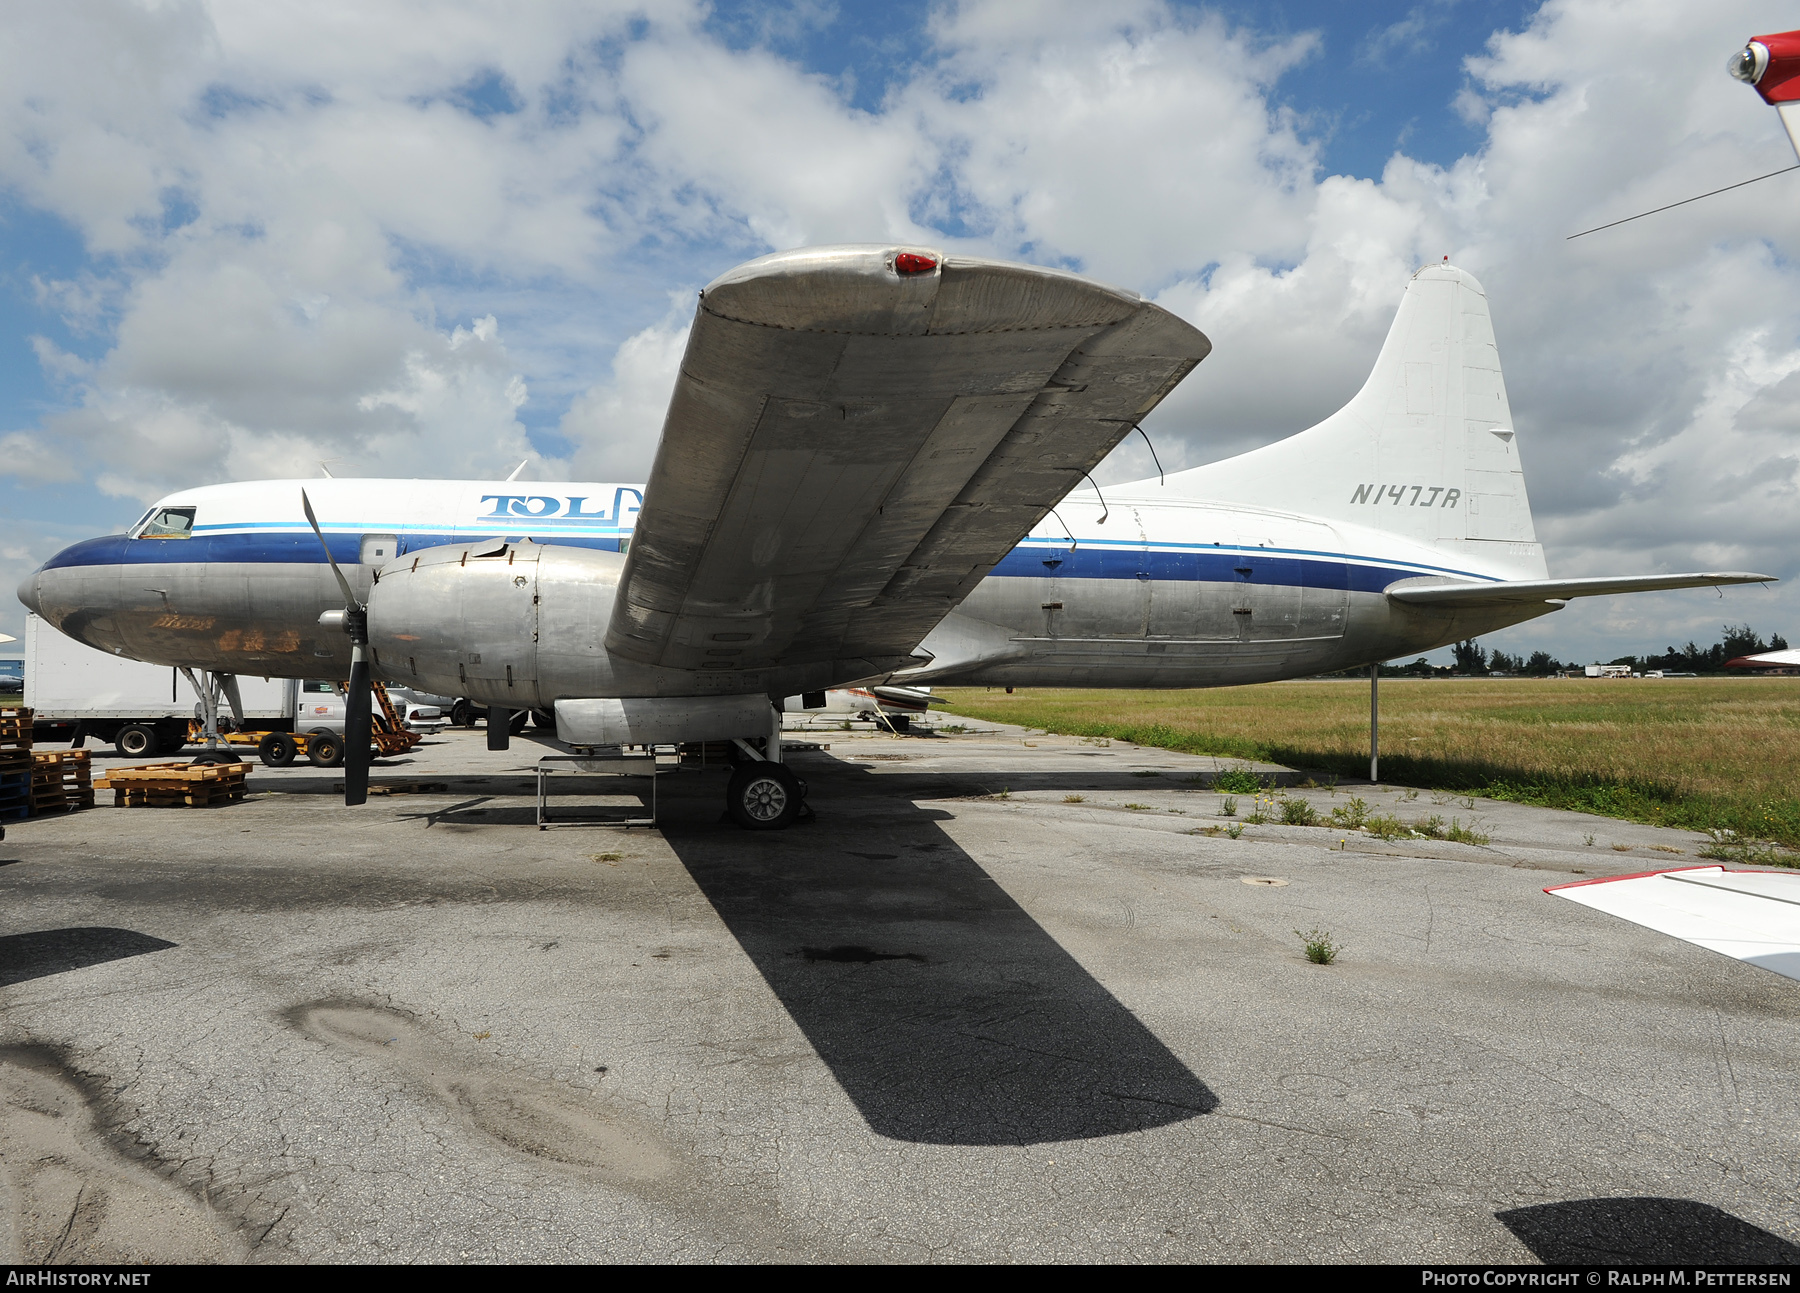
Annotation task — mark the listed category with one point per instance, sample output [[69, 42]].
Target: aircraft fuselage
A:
[[1161, 593]]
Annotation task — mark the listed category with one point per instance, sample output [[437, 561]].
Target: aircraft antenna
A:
[[517, 470], [1153, 458], [1103, 510], [1640, 215]]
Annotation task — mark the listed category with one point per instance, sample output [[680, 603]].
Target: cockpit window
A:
[[167, 523]]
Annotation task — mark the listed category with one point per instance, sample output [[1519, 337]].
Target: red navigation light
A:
[[1771, 64], [910, 262]]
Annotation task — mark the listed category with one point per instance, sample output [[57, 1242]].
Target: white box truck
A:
[[75, 692]]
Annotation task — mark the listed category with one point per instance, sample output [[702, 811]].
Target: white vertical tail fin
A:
[[1425, 449]]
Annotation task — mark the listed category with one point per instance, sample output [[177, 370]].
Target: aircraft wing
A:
[[1765, 660], [1455, 596], [1751, 915], [858, 434]]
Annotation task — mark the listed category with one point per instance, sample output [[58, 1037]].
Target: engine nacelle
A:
[[514, 624]]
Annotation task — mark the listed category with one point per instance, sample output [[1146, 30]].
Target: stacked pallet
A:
[[15, 764], [61, 781], [176, 785]]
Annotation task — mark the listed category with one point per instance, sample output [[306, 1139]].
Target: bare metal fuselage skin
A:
[[502, 594]]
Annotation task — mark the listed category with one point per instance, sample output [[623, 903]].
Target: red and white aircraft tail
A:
[[1772, 65]]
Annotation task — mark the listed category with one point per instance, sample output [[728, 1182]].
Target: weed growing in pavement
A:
[[1457, 833], [1137, 808], [1352, 814], [1432, 828], [1621, 848], [1321, 949], [1386, 826], [1074, 799], [1588, 840], [1146, 772], [948, 729], [1298, 812], [1729, 846], [1259, 811], [1234, 830], [1238, 781], [1228, 806]]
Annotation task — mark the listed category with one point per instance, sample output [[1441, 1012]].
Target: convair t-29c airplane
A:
[[865, 477]]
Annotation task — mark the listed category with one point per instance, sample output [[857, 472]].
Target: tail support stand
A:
[[1375, 722]]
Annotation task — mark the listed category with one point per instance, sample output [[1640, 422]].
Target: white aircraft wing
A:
[[1429, 592], [1751, 915], [858, 434], [1766, 659]]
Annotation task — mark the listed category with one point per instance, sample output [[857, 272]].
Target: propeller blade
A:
[[349, 594], [356, 732]]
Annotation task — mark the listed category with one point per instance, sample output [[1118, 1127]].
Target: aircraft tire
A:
[[136, 741], [763, 796], [277, 750], [324, 749]]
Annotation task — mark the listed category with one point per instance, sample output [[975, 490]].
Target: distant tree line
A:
[[1470, 658]]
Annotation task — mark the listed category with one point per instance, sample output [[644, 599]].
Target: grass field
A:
[[1703, 753]]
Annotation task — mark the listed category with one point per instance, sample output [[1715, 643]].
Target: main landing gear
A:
[[764, 794]]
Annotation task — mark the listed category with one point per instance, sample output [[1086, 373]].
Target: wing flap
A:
[[1753, 916], [849, 450], [1437, 593]]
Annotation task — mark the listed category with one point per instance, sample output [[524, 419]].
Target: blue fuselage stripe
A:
[[1198, 564]]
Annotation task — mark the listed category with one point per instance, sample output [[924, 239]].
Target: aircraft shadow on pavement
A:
[[948, 1015], [1644, 1231], [43, 952]]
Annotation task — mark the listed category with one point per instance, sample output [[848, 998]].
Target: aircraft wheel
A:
[[215, 757], [462, 714], [277, 749], [135, 741], [544, 720], [763, 796], [324, 749]]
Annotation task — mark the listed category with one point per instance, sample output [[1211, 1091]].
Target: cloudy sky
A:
[[240, 239]]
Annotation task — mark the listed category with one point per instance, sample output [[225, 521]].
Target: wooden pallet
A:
[[176, 785], [61, 781], [15, 724]]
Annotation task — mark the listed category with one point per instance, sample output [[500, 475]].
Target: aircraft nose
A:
[[28, 593]]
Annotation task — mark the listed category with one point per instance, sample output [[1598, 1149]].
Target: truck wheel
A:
[[277, 749], [324, 749], [462, 714], [763, 796], [136, 741]]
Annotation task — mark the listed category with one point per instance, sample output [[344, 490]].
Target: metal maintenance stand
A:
[[605, 761]]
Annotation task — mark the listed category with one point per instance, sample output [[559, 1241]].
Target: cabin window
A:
[[167, 523]]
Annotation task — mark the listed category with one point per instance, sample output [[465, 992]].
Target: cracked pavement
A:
[[958, 1018]]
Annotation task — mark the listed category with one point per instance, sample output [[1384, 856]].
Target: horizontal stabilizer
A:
[[1751, 915], [1457, 596]]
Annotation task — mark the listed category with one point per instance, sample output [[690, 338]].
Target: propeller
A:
[[356, 705]]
